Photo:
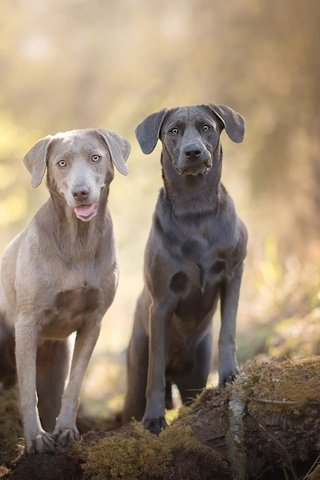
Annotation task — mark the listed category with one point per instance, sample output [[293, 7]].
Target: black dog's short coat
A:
[[193, 257]]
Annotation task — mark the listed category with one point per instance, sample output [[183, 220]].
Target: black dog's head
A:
[[190, 135]]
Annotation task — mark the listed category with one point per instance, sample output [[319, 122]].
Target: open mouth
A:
[[86, 212]]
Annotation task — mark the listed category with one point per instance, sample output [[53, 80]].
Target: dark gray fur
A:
[[194, 256]]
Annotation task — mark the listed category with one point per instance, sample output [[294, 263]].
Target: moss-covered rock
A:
[[133, 453], [276, 385], [265, 423], [270, 408]]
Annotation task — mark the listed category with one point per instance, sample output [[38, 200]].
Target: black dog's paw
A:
[[155, 425], [228, 377]]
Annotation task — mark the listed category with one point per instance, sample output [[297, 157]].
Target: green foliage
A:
[[296, 337], [283, 316]]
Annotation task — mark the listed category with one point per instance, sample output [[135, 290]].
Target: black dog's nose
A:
[[192, 151], [81, 192]]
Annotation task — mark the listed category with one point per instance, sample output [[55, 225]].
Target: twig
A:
[[283, 402], [276, 402], [317, 461]]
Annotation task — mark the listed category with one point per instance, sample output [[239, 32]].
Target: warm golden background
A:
[[104, 63]]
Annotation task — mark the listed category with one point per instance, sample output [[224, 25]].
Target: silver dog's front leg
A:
[[153, 418], [230, 291], [66, 431], [26, 337]]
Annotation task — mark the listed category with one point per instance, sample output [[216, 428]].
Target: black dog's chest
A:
[[202, 264], [197, 277], [197, 287], [196, 304]]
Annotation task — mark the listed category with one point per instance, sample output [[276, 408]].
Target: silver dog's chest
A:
[[69, 311]]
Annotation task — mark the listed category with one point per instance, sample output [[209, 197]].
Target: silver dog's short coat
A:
[[59, 276]]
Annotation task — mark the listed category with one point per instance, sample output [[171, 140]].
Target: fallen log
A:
[[265, 425]]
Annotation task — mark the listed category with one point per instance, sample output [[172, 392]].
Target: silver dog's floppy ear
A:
[[148, 131], [233, 122], [36, 160], [119, 149]]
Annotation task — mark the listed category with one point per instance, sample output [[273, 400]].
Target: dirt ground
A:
[[264, 426]]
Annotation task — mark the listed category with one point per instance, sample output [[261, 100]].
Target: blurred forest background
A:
[[103, 63]]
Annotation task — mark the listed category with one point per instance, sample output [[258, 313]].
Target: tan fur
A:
[[59, 276]]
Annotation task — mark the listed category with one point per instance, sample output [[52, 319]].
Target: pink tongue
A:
[[85, 210]]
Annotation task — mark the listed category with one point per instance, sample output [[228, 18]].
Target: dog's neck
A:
[[192, 194], [76, 239]]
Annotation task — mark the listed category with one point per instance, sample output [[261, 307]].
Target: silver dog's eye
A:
[[205, 128], [174, 131], [95, 158], [62, 163]]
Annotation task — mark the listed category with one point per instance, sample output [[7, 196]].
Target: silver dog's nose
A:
[[81, 192], [192, 151]]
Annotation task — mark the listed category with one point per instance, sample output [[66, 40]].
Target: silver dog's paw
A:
[[155, 425], [41, 443], [67, 436]]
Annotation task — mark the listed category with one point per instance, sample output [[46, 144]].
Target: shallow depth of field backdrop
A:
[[104, 63]]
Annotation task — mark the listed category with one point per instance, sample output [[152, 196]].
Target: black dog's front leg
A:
[[154, 419], [228, 364]]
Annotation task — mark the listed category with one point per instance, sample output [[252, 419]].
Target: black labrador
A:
[[193, 257]]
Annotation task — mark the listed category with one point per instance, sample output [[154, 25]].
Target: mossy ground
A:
[[186, 450], [276, 385], [133, 453], [273, 387], [10, 429]]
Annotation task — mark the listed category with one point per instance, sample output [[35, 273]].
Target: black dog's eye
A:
[[95, 158], [205, 128], [62, 163], [174, 131]]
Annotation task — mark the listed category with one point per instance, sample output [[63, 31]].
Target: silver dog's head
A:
[[190, 135], [80, 166]]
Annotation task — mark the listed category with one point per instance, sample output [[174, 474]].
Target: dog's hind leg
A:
[[52, 370], [137, 369], [135, 401]]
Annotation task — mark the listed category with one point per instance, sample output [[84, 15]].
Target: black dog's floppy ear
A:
[[36, 160], [148, 131], [119, 149], [233, 122]]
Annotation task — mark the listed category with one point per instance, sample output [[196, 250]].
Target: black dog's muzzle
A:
[[194, 161]]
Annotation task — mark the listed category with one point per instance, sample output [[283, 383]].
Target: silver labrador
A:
[[60, 276]]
